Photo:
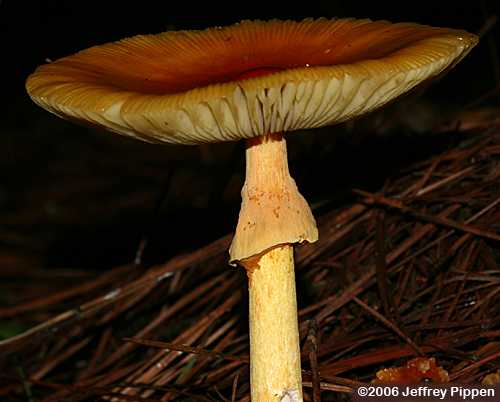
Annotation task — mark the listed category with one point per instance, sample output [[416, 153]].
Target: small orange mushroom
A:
[[492, 378], [415, 371]]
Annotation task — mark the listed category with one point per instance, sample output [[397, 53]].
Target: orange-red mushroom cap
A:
[[185, 87]]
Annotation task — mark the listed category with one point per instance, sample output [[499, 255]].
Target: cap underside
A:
[[183, 87]]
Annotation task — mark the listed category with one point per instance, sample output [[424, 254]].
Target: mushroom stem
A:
[[273, 217], [272, 210], [274, 335]]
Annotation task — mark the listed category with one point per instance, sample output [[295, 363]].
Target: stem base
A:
[[274, 335]]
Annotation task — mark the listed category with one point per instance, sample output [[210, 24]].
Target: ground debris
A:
[[409, 273]]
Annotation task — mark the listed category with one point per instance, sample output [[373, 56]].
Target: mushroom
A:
[[254, 80]]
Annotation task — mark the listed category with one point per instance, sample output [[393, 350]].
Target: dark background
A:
[[72, 196]]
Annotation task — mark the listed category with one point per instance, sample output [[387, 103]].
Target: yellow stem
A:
[[274, 335], [273, 217]]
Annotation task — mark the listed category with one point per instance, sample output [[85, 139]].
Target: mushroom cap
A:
[[186, 87]]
